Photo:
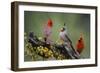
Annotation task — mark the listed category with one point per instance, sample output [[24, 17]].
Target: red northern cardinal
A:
[[80, 45], [48, 31]]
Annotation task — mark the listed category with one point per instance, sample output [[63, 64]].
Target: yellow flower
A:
[[46, 54], [46, 48], [51, 55], [40, 38], [34, 47], [44, 51], [59, 58], [56, 53], [41, 52]]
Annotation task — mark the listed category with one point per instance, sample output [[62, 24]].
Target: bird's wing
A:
[[68, 38]]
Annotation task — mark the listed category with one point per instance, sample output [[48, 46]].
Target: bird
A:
[[80, 44], [48, 31], [67, 43], [64, 35]]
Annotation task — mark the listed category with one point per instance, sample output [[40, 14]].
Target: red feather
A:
[[80, 45], [50, 23]]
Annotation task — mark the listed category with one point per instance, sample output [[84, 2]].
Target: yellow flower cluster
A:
[[28, 49], [44, 51], [39, 52], [59, 56]]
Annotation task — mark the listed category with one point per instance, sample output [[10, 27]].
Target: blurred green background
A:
[[75, 24]]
